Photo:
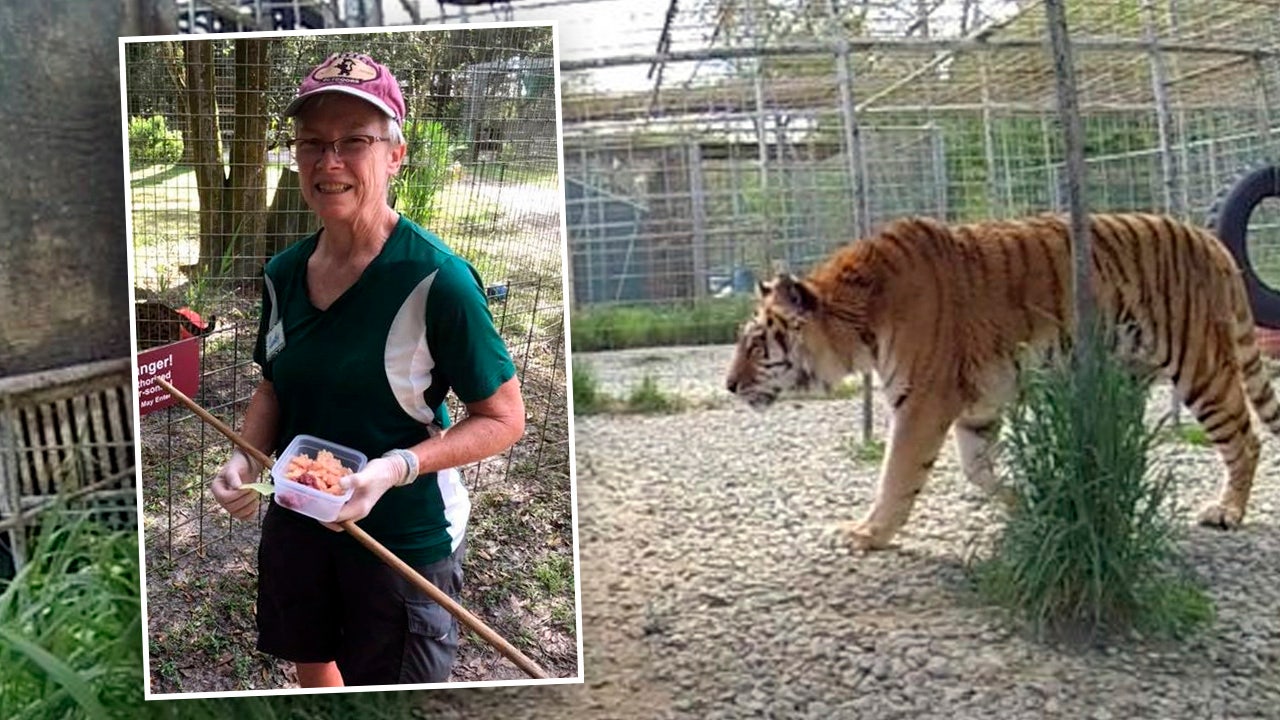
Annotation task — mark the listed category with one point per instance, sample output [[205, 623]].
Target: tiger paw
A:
[[1219, 516], [862, 536]]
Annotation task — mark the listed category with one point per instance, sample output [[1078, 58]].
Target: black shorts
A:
[[322, 597]]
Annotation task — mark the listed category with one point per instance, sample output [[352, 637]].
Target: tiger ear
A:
[[795, 293]]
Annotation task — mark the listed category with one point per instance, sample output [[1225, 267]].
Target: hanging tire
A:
[[1229, 218]]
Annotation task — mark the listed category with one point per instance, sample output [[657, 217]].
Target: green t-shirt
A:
[[372, 370]]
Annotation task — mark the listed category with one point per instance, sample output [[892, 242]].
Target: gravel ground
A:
[[711, 589]]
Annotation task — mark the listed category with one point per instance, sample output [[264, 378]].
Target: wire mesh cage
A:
[[213, 197], [718, 142]]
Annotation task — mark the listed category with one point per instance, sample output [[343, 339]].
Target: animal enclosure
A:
[[769, 133], [219, 16], [756, 139]]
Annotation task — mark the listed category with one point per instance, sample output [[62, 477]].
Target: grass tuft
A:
[[1089, 548], [587, 398], [555, 573], [72, 638], [648, 398], [871, 452], [1188, 433]]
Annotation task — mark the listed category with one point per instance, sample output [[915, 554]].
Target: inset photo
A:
[[348, 268]]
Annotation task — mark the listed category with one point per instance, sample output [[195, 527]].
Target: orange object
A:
[[196, 321], [323, 472]]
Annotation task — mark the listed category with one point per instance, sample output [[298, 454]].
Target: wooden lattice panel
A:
[[72, 432], [66, 432]]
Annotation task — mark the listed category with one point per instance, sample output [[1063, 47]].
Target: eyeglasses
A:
[[351, 147]]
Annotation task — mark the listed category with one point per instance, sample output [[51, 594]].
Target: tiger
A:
[[945, 315]]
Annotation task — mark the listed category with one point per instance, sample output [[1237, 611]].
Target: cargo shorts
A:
[[323, 597]]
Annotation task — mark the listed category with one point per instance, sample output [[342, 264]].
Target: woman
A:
[[366, 325]]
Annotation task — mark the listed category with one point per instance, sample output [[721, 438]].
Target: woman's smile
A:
[[332, 188]]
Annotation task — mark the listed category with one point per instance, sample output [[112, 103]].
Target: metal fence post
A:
[[1266, 100], [1073, 146], [697, 196], [938, 156], [1164, 116], [857, 178], [994, 194], [1164, 127]]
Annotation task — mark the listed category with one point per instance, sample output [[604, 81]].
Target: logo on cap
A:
[[346, 68], [355, 74]]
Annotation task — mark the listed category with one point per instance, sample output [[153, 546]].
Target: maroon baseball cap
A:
[[354, 74]]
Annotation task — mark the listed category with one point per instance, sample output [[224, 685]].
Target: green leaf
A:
[[58, 671], [264, 488]]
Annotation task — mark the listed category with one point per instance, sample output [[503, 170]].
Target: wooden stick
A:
[[435, 593]]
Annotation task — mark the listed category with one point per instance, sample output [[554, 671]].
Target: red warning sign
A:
[[178, 364]]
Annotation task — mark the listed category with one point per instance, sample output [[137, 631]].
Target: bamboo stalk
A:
[[440, 597]]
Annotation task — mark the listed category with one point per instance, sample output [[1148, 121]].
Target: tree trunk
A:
[[206, 146], [1084, 310], [289, 217], [148, 17], [411, 7], [233, 202], [247, 192], [63, 258]]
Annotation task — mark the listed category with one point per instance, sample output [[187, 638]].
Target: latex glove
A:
[[378, 476], [242, 503]]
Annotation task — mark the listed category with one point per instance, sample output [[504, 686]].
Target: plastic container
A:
[[309, 501]]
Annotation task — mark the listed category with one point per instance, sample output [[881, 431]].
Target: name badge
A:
[[275, 340]]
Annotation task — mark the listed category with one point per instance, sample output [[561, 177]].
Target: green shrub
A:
[[425, 170], [614, 327], [587, 398], [1089, 547], [647, 397], [151, 142], [70, 623]]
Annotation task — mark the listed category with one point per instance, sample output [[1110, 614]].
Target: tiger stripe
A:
[[942, 313]]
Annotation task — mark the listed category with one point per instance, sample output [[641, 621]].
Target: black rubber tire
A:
[[1230, 220]]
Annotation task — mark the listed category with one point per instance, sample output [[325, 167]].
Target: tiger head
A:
[[772, 355]]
